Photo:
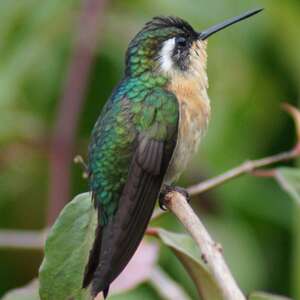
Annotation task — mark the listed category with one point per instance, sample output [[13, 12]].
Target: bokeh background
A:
[[253, 67]]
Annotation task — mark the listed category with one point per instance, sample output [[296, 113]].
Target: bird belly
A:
[[194, 114]]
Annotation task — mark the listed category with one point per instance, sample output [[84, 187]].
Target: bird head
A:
[[170, 45]]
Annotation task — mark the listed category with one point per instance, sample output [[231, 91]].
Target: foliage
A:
[[66, 251], [252, 69], [265, 296], [289, 179], [186, 251]]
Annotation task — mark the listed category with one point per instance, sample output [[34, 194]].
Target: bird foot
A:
[[169, 188]]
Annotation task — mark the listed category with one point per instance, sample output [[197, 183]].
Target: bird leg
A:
[[169, 188]]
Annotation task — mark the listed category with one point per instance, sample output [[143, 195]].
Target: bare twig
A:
[[295, 114], [251, 166], [246, 167], [211, 251], [22, 239], [70, 106], [80, 161]]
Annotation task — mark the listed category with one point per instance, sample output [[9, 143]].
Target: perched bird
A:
[[145, 136]]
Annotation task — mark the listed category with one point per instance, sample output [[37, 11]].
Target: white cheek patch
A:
[[166, 61]]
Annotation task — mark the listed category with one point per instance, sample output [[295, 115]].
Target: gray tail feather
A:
[[93, 262], [105, 292], [93, 258]]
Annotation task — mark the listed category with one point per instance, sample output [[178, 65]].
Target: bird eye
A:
[[181, 41]]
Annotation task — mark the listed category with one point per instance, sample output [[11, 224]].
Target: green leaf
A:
[[66, 251], [187, 252], [289, 180], [265, 296], [28, 292]]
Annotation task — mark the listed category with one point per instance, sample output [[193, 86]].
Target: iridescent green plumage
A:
[[139, 142], [132, 144], [131, 147], [139, 105]]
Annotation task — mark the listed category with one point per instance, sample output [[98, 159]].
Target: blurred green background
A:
[[253, 67]]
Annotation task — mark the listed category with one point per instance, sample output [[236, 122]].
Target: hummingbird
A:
[[144, 137]]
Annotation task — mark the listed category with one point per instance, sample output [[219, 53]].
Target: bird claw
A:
[[183, 192], [167, 189], [161, 205]]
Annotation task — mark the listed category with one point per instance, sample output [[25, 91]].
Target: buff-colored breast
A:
[[194, 112]]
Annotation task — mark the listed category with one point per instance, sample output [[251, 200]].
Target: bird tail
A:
[[94, 258]]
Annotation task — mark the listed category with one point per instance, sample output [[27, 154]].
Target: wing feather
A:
[[125, 213], [136, 205]]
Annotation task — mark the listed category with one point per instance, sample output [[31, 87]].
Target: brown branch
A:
[[71, 104], [22, 239], [246, 167], [211, 252], [251, 167]]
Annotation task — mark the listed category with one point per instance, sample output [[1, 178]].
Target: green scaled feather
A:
[[138, 105]]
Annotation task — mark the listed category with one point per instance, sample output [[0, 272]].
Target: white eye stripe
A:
[[166, 61]]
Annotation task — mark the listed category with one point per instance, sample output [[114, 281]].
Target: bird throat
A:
[[190, 89]]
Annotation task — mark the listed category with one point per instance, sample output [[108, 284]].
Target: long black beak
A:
[[203, 35]]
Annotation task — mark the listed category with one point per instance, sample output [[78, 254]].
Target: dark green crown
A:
[[142, 52]]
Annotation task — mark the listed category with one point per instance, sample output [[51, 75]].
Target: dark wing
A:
[[153, 148], [124, 232]]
